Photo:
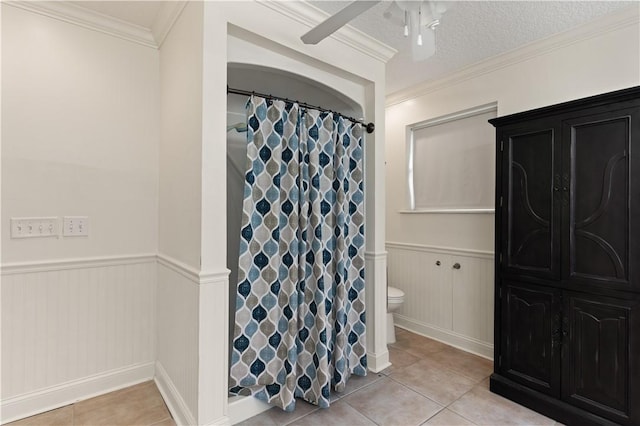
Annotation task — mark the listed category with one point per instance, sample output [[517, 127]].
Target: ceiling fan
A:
[[419, 18]]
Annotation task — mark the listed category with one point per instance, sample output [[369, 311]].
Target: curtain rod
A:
[[370, 127]]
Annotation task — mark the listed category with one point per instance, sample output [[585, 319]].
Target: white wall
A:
[[80, 125], [72, 331], [80, 130], [600, 57], [179, 213], [181, 138], [579, 66], [134, 138]]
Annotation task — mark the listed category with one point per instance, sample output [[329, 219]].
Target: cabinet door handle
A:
[[438, 263], [456, 265]]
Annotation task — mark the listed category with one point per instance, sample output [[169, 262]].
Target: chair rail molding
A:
[[75, 263]]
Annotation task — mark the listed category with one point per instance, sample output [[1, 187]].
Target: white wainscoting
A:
[[454, 306], [74, 329], [177, 337]]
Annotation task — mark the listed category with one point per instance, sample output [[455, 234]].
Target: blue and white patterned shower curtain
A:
[[300, 313]]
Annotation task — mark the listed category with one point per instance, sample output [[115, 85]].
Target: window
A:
[[452, 162]]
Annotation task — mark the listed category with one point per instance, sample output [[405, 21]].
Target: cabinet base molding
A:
[[543, 404]]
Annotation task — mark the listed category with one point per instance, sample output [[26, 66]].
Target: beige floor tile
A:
[[448, 418], [399, 359], [278, 417], [431, 380], [389, 403], [355, 383], [137, 405], [485, 408], [338, 414], [485, 383], [401, 331], [464, 363], [418, 346], [60, 417], [165, 422]]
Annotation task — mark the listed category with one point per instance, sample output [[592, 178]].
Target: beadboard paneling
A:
[[473, 299], [177, 351], [64, 324], [447, 304]]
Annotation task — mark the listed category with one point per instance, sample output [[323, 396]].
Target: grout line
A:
[[454, 411], [435, 414], [416, 392], [362, 414], [295, 419]]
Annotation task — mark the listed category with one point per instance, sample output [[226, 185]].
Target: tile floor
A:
[[136, 405], [429, 383]]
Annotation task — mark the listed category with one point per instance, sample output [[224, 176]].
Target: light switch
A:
[[75, 226], [33, 227]]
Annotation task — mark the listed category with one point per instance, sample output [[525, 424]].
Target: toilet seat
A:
[[394, 294], [395, 299]]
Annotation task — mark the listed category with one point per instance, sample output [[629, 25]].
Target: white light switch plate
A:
[[34, 227], [75, 226]]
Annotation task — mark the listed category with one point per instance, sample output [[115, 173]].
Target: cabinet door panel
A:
[[530, 240], [601, 209], [601, 356], [473, 298], [530, 337]]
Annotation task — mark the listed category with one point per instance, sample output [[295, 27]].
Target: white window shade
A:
[[453, 162]]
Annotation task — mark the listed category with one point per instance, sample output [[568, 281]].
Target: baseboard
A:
[[449, 337], [378, 362], [43, 400], [243, 407], [175, 403]]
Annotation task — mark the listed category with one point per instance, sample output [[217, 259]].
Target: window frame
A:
[[410, 146]]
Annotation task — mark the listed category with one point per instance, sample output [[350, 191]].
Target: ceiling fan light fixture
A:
[[406, 24]]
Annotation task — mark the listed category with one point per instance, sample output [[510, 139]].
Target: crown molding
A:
[[309, 15], [77, 15], [623, 18], [167, 16]]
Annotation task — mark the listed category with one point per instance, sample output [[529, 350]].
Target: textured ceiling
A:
[[471, 31]]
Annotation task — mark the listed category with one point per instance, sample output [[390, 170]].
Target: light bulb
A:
[[406, 25], [420, 39]]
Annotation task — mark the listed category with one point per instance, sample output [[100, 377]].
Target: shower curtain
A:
[[300, 313]]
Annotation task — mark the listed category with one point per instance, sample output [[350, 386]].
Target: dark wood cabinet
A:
[[529, 348], [598, 363], [567, 320]]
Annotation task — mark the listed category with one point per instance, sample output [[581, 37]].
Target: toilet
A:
[[395, 299]]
